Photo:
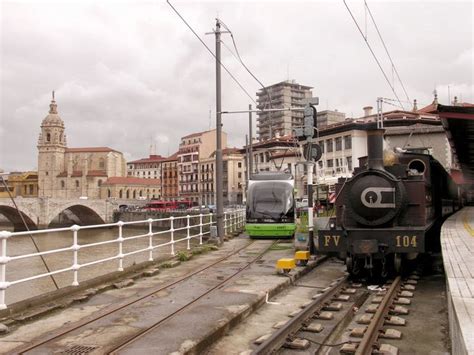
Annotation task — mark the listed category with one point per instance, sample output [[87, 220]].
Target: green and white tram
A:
[[270, 209]]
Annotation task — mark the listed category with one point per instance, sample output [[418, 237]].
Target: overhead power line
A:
[[373, 54], [210, 51], [243, 64], [386, 50]]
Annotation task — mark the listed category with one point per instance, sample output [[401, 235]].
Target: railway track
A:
[[53, 342], [344, 318]]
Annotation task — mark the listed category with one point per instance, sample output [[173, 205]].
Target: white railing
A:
[[233, 219]]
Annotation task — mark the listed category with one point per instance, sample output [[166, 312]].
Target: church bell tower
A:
[[51, 150]]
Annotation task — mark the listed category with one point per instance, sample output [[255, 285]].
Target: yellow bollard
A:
[[302, 257], [286, 265]]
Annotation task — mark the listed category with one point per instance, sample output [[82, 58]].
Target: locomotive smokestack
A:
[[375, 148]]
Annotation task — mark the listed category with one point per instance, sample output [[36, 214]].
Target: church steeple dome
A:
[[52, 128], [53, 118]]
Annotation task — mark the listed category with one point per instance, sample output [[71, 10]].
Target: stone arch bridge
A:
[[40, 212]]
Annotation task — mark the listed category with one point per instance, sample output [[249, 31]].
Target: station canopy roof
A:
[[458, 121]]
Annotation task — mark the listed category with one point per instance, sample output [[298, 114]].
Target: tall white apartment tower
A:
[[281, 95]]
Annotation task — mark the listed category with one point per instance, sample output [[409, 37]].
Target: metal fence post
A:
[[120, 240], [150, 240], [200, 228], [172, 234], [75, 248], [225, 223], [188, 232], [4, 235]]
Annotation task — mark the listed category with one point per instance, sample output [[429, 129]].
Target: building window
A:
[[48, 137], [127, 194], [329, 145], [321, 144], [62, 184], [329, 163], [77, 183], [349, 163], [239, 164], [102, 163], [347, 142], [99, 183], [240, 175], [120, 193], [109, 194], [134, 194], [338, 143]]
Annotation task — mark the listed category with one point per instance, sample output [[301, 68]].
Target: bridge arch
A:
[[86, 215], [12, 215]]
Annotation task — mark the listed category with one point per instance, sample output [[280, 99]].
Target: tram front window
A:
[[272, 200]]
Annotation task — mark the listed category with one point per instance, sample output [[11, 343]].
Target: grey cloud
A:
[[128, 71]]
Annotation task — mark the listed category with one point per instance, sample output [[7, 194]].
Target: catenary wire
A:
[[386, 50], [250, 72], [209, 50], [373, 54]]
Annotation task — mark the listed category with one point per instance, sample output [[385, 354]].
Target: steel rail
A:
[[114, 308], [278, 338], [372, 332], [144, 332]]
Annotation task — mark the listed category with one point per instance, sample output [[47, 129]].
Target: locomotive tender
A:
[[386, 214]]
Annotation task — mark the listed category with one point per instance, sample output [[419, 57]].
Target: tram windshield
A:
[[270, 200]]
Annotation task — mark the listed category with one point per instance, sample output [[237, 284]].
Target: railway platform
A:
[[178, 310], [457, 242]]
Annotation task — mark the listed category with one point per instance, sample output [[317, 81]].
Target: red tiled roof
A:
[[150, 159], [233, 150], [431, 108], [90, 150], [76, 174], [171, 157], [118, 180], [96, 173], [63, 174]]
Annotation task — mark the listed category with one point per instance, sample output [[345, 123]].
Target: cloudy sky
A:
[[128, 73]]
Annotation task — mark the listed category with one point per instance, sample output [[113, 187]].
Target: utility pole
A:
[[250, 143], [219, 164], [247, 175], [312, 248]]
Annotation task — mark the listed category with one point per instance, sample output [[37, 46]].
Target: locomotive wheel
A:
[[397, 263], [351, 266], [349, 263]]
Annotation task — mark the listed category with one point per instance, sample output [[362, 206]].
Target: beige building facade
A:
[[131, 188], [233, 178], [192, 149], [72, 172]]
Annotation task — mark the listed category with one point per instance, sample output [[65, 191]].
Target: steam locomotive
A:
[[389, 213]]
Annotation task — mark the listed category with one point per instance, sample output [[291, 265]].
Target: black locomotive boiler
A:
[[388, 213]]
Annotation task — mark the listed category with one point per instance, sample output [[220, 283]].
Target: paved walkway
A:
[[457, 241]]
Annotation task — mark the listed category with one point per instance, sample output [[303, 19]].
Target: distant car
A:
[[212, 208]]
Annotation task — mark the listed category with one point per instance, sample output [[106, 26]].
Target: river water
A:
[[20, 245]]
